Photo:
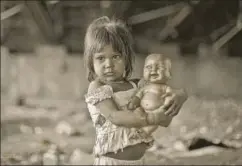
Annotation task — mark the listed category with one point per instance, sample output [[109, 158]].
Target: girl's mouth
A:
[[109, 74]]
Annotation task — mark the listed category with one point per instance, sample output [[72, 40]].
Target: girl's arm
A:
[[149, 129], [125, 118], [175, 102]]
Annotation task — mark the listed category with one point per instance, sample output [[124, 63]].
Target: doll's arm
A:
[[135, 100]]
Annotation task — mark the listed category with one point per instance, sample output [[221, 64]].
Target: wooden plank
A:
[[229, 35], [41, 18], [12, 11], [175, 21], [218, 32], [75, 3], [153, 14], [5, 69]]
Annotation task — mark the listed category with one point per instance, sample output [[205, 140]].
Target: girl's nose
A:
[[108, 63]]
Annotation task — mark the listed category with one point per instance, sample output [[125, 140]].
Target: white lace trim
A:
[[99, 94]]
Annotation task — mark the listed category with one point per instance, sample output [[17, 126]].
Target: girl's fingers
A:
[[175, 111], [168, 103], [170, 109]]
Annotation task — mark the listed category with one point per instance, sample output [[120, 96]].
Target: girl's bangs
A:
[[105, 38]]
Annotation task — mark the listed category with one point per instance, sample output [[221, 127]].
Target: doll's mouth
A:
[[154, 75]]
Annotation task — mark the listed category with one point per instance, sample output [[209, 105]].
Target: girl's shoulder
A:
[[95, 84]]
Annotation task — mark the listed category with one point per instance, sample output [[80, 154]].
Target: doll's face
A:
[[156, 69]]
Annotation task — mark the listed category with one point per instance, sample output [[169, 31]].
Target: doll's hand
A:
[[133, 103]]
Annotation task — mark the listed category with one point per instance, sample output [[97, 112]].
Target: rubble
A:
[[79, 157], [64, 128], [26, 129]]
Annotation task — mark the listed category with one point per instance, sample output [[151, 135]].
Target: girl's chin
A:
[[111, 79]]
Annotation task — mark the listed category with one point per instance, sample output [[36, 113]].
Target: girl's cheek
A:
[[120, 61]]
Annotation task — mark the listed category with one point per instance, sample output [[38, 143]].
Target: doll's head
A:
[[157, 69]]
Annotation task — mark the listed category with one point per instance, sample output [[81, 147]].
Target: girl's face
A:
[[109, 65]]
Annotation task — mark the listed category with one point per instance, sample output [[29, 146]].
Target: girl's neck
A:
[[113, 82]]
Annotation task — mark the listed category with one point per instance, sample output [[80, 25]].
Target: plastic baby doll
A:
[[154, 92]]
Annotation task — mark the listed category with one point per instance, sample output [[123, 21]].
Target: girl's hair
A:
[[102, 32]]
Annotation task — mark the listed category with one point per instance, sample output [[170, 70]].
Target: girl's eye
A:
[[100, 58], [116, 56], [148, 67]]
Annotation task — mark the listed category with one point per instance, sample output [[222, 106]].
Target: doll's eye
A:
[[161, 67], [148, 67]]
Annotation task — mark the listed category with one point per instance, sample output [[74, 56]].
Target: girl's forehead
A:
[[107, 49]]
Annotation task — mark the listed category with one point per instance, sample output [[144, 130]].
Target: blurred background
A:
[[43, 78]]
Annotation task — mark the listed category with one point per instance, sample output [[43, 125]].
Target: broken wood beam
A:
[[42, 19], [228, 36], [12, 11], [220, 31], [175, 21], [153, 14]]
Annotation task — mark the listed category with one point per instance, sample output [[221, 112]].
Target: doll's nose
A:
[[153, 70]]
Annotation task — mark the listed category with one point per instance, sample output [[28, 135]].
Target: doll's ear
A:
[[168, 67]]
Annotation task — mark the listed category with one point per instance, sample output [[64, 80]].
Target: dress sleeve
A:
[[99, 94]]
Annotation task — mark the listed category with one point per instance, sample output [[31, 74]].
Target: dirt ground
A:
[[207, 131], [28, 131]]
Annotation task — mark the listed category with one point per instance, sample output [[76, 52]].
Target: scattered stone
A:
[[155, 147], [20, 101], [76, 133], [183, 129], [35, 159], [15, 159], [237, 136], [78, 157], [203, 130], [64, 128], [26, 129], [233, 143], [24, 162], [46, 142], [51, 157], [229, 130], [210, 150], [38, 130], [180, 145]]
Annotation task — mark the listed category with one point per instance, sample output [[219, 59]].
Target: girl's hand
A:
[[174, 103]]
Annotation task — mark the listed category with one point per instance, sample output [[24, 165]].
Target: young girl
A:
[[108, 56]]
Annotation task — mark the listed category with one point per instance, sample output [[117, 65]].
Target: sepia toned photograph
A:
[[121, 82]]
